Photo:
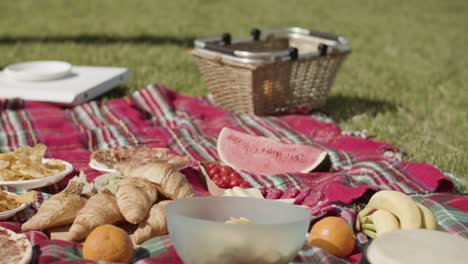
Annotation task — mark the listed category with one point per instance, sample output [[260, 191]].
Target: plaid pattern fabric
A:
[[158, 117], [160, 250]]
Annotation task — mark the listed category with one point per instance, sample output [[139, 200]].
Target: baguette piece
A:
[[100, 209], [155, 224], [59, 210], [135, 196], [169, 181]]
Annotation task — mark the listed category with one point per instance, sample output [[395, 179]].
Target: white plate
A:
[[37, 183], [16, 238], [12, 212], [92, 164], [38, 70]]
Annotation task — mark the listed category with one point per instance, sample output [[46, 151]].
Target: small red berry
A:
[[244, 184]]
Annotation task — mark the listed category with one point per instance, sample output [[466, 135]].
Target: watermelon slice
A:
[[265, 156]]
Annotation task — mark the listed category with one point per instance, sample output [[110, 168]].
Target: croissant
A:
[[59, 210], [153, 225], [135, 196], [99, 210], [169, 181]]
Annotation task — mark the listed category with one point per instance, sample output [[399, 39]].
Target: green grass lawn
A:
[[406, 81]]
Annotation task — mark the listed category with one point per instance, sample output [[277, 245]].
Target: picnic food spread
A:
[[133, 201], [179, 157]]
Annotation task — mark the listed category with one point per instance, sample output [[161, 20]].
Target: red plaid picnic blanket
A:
[[159, 117]]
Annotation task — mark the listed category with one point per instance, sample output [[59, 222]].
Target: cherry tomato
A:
[[225, 178], [226, 170], [234, 182], [210, 166], [223, 185], [244, 184], [235, 175], [218, 182], [216, 177], [213, 171]]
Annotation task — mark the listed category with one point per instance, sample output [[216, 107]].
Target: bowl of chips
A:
[[11, 203], [27, 168]]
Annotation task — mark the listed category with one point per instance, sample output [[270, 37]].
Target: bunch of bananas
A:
[[392, 210]]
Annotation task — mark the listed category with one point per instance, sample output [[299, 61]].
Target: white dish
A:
[[98, 167], [12, 212], [11, 242], [38, 70], [418, 246], [102, 168], [37, 183], [94, 165]]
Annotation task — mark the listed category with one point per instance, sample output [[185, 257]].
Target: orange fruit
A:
[[334, 235], [108, 243]]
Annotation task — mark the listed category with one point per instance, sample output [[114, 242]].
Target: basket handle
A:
[[226, 40], [218, 48], [293, 53], [255, 33], [323, 48], [324, 35]]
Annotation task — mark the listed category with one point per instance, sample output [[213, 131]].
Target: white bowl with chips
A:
[[10, 213], [40, 182]]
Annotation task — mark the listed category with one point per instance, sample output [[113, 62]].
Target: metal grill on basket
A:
[[271, 72]]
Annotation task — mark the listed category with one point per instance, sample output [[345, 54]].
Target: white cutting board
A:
[[83, 84]]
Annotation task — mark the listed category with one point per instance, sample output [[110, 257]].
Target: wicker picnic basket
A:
[[271, 72]]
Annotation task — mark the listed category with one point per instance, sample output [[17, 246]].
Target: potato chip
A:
[[10, 157], [25, 163], [27, 197], [4, 164], [53, 163], [7, 202], [7, 175], [37, 153]]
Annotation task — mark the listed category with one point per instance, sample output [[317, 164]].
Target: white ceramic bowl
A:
[[38, 70], [197, 229], [12, 212], [37, 183]]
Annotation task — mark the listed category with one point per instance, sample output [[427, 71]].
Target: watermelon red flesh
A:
[[265, 156]]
